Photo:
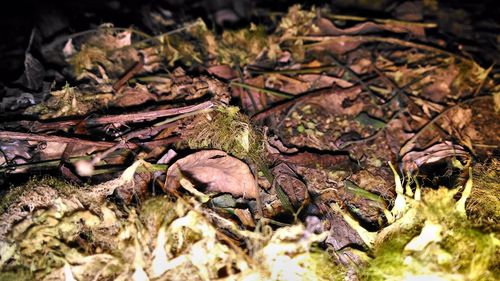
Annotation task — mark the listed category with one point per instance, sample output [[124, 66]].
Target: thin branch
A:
[[44, 138], [262, 90], [306, 70], [8, 135], [37, 126], [360, 38], [356, 77], [389, 21], [133, 71], [316, 93]]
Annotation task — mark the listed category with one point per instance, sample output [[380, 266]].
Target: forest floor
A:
[[254, 144]]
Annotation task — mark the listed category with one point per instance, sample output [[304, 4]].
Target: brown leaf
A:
[[216, 170], [327, 28], [338, 45], [446, 150], [340, 102], [223, 71], [313, 160], [294, 188], [245, 217], [129, 96]]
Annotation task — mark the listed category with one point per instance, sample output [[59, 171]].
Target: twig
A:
[[149, 131], [356, 77], [316, 93], [55, 162], [389, 21], [266, 91], [45, 163], [250, 96], [137, 67], [142, 116], [103, 144], [293, 71], [157, 38], [480, 86], [361, 38], [37, 126], [34, 137], [170, 120]]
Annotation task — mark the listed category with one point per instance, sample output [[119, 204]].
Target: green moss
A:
[[19, 273], [14, 193], [324, 267], [389, 261], [474, 253], [459, 251], [483, 206], [228, 130], [242, 47]]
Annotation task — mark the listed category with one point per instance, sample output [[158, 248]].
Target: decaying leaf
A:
[[215, 170], [106, 48], [447, 150]]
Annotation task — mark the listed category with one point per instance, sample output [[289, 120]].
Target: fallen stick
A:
[[283, 106], [37, 126], [103, 144]]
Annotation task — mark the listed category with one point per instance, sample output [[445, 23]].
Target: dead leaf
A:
[[294, 188], [338, 45], [414, 159], [223, 71], [33, 75], [327, 28], [215, 170], [458, 118], [245, 217], [129, 96], [314, 160], [339, 102]]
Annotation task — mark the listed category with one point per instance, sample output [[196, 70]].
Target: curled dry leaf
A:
[[327, 28], [441, 151], [216, 170]]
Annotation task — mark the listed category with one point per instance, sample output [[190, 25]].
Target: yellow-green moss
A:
[[483, 206], [460, 251], [242, 47], [322, 264], [388, 259], [228, 130]]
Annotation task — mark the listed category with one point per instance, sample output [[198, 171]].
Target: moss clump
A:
[[483, 206], [454, 250], [14, 193], [324, 268], [228, 130], [19, 273], [389, 259], [242, 47]]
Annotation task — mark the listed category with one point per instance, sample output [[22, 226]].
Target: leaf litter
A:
[[309, 151]]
